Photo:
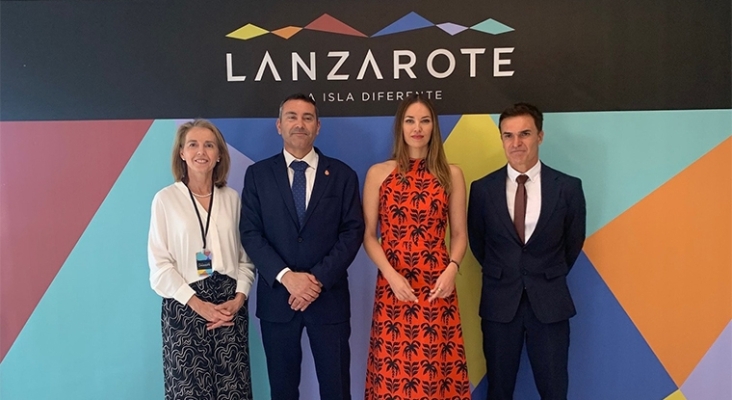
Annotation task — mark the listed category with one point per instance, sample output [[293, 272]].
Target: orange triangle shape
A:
[[667, 261], [287, 32]]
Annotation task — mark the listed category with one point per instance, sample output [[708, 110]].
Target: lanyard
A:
[[204, 233]]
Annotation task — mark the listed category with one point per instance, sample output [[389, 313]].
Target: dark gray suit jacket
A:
[[541, 266], [324, 246]]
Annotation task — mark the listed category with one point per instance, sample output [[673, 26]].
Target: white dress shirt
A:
[[175, 238], [312, 159], [533, 195]]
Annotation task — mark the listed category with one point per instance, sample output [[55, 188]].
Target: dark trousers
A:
[[331, 353], [546, 344]]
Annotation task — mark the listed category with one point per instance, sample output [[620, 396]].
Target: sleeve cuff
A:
[[243, 287], [282, 273], [183, 294]]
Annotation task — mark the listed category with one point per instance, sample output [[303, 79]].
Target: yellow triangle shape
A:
[[677, 395], [247, 32], [475, 146]]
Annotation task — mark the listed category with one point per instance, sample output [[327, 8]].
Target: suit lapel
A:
[[549, 199], [279, 171], [322, 181], [497, 192]]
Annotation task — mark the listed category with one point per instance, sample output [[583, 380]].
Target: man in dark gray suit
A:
[[526, 224], [302, 225]]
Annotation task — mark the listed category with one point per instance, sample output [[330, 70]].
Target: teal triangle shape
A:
[[492, 26], [113, 346], [105, 280], [622, 157]]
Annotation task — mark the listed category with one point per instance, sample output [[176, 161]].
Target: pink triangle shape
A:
[[326, 23], [54, 177]]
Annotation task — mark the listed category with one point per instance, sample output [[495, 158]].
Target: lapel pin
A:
[[327, 172]]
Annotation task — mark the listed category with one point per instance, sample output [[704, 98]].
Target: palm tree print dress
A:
[[416, 349]]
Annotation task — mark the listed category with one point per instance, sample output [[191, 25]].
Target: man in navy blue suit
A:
[[526, 224], [302, 225]]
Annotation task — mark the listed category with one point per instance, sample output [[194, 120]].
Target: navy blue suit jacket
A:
[[324, 246], [542, 264]]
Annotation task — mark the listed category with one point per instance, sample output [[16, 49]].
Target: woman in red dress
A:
[[416, 349]]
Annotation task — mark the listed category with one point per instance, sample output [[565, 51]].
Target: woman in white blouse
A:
[[199, 267]]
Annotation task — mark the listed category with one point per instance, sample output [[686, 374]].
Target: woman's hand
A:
[[400, 287], [230, 308], [445, 284], [208, 311]]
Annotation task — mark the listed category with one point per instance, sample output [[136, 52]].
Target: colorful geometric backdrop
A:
[[638, 104], [653, 287]]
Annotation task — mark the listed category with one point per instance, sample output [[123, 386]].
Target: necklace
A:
[[201, 195]]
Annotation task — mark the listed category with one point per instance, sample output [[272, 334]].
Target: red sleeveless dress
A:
[[416, 350]]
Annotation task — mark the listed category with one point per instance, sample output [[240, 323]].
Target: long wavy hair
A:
[[436, 160]]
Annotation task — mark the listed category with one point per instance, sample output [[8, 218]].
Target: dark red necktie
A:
[[519, 207]]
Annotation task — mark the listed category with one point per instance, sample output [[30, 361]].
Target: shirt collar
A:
[[311, 158], [532, 173]]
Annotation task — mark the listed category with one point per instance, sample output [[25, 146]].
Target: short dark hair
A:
[[523, 109], [299, 96]]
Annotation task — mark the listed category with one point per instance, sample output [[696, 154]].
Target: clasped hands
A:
[[402, 289], [304, 288], [219, 315]]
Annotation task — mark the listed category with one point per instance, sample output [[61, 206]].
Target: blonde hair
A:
[[436, 160], [180, 169]]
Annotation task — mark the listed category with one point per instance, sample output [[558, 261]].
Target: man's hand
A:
[[298, 304], [304, 288]]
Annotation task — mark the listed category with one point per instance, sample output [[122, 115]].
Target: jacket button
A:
[[299, 240], [525, 272]]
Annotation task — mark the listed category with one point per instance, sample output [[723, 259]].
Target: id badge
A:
[[203, 263]]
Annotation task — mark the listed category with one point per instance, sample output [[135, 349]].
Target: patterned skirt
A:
[[200, 364]]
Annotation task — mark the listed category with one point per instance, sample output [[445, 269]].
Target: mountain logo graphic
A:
[[409, 22]]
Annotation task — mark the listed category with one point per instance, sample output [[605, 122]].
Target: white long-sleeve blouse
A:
[[175, 238]]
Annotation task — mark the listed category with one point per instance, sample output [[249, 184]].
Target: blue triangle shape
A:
[[408, 22], [447, 124], [340, 137], [607, 348], [360, 142], [256, 138], [608, 357]]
